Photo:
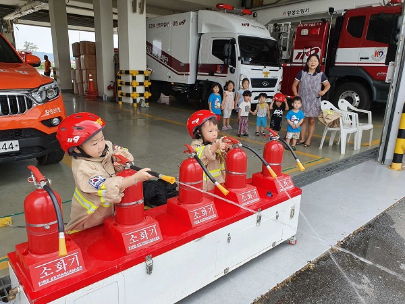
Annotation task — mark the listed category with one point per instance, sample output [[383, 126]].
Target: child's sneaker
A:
[[229, 127], [257, 133], [294, 148], [263, 133], [224, 128]]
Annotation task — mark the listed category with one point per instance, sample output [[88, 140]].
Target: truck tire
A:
[[155, 91], [204, 98], [355, 93], [51, 158]]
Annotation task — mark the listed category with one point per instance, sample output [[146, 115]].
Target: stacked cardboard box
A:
[[85, 59]]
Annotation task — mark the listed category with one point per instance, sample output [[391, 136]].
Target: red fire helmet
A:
[[197, 119], [77, 128], [279, 97]]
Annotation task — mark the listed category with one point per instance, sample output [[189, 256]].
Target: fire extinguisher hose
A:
[[300, 166], [232, 140], [125, 161], [272, 173], [218, 185], [167, 178], [61, 228]]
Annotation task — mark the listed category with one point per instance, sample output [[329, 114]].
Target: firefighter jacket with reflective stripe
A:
[[97, 189], [215, 162]]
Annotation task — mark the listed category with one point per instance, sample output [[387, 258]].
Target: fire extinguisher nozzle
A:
[[300, 165], [221, 188], [62, 247], [169, 179], [272, 173]]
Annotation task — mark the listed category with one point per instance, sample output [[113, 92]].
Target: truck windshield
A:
[[7, 54], [259, 51]]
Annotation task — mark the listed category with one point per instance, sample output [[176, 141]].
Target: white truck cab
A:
[[189, 52]]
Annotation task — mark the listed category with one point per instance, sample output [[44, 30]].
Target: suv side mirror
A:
[[32, 60]]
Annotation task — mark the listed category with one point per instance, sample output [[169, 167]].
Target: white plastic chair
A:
[[349, 123], [346, 106]]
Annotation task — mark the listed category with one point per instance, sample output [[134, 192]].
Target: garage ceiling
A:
[[80, 12]]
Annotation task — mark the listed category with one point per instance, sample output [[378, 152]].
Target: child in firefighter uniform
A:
[[203, 129], [94, 171]]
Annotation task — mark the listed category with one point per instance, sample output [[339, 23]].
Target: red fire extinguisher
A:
[[111, 86], [273, 153], [236, 164], [130, 210], [43, 217], [191, 173]]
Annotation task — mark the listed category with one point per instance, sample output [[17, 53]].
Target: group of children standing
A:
[[242, 105]]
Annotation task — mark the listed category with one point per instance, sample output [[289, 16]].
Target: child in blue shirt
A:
[[295, 118], [215, 101]]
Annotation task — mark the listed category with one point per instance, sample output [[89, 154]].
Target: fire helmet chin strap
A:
[[81, 153]]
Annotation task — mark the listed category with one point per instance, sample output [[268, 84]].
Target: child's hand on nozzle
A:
[[142, 175], [117, 163], [124, 153], [221, 144]]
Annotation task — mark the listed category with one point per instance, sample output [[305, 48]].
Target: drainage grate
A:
[[315, 175], [5, 286]]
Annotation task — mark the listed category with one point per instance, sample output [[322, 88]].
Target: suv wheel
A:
[[51, 158]]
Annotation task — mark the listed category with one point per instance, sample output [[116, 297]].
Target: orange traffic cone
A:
[[91, 93]]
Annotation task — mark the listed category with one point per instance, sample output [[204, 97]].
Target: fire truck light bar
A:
[[232, 8], [225, 6]]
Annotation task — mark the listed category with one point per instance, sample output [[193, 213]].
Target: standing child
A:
[[228, 104], [295, 117], [239, 96], [278, 105], [262, 111], [214, 101], [203, 129], [243, 114], [97, 187]]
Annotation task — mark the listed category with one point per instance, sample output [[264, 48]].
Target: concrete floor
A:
[[156, 137], [371, 269]]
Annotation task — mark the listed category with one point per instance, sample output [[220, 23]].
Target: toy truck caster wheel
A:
[[292, 240]]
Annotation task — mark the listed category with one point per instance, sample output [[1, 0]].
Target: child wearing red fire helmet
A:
[[94, 171], [203, 129]]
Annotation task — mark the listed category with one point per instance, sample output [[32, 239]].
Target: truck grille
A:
[[14, 104], [264, 83]]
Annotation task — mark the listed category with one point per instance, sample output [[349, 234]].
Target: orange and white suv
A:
[[31, 108]]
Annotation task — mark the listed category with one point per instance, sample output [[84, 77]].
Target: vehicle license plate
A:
[[9, 146]]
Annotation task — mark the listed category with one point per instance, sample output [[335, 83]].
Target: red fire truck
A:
[[355, 49]]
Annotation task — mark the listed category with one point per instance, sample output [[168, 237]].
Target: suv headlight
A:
[[46, 92]]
